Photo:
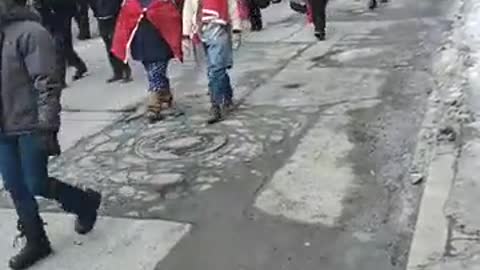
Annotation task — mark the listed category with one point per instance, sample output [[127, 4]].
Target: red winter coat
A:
[[165, 17]]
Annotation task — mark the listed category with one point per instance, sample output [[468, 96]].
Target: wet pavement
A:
[[311, 171]]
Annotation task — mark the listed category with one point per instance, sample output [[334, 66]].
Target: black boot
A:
[[320, 35], [372, 4], [36, 248], [216, 115], [127, 74], [80, 73], [228, 105], [86, 220], [74, 200], [115, 78], [257, 25]]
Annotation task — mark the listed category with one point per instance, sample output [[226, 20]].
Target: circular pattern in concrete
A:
[[175, 145]]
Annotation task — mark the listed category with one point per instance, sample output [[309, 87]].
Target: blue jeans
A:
[[217, 43], [24, 170], [23, 166]]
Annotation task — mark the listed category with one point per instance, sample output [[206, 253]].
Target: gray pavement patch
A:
[[298, 190], [139, 166], [319, 89]]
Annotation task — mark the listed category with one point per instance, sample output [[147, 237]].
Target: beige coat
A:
[[190, 10]]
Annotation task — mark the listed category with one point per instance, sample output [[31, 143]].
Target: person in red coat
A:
[[152, 30]]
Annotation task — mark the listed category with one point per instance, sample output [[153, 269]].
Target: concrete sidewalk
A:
[[89, 105], [447, 233]]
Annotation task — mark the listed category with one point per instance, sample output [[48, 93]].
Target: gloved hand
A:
[[49, 141]]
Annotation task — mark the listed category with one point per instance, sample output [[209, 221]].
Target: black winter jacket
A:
[[29, 96], [106, 9]]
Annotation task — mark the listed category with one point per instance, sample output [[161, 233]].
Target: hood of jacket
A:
[[11, 12]]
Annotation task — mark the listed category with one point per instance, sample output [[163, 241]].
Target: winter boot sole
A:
[[25, 261]]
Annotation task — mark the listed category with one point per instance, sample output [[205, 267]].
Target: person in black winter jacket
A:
[[57, 18], [30, 120], [106, 12]]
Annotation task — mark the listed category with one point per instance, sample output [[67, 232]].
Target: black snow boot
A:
[[86, 220], [37, 246], [127, 74], [83, 203], [372, 4], [320, 35], [80, 73], [216, 115], [257, 24]]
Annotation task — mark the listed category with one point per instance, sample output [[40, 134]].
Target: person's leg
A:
[[72, 57], [12, 175], [30, 223], [218, 47], [105, 30], [60, 55], [73, 200], [319, 17], [255, 15], [120, 69], [83, 20], [159, 89]]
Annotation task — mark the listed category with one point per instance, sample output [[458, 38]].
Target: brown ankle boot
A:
[[156, 100]]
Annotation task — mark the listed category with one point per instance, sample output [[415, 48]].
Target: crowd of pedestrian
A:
[[36, 48]]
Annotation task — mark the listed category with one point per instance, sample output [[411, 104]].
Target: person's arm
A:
[[37, 48], [188, 18], [235, 16]]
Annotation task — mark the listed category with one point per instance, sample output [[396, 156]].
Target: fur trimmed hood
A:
[[11, 12]]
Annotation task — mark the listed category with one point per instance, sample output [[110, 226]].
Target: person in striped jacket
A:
[[213, 22]]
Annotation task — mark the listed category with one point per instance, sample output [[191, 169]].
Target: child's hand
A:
[[186, 45], [236, 40]]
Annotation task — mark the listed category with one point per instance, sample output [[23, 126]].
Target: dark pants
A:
[[23, 166], [82, 19], [106, 28], [255, 14], [61, 31], [319, 14]]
